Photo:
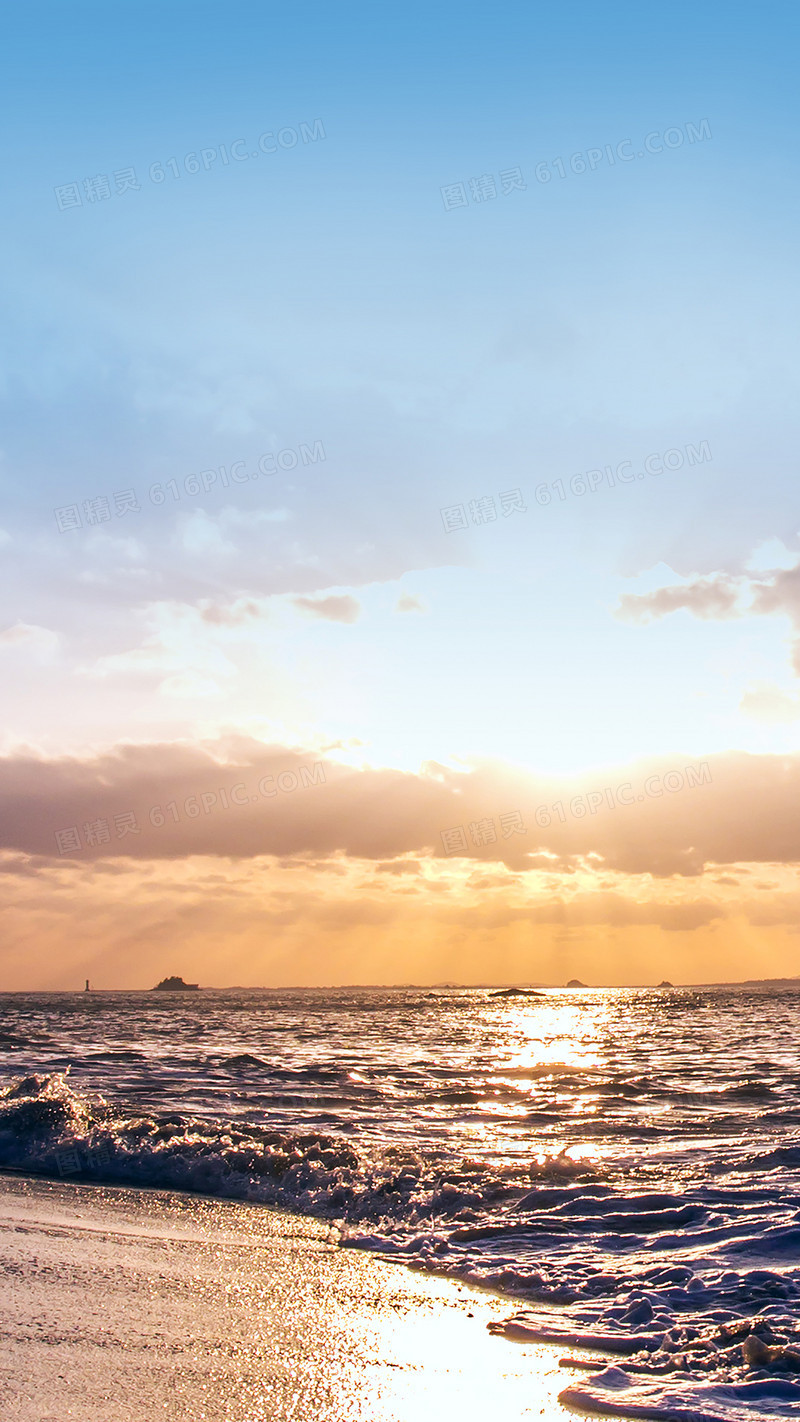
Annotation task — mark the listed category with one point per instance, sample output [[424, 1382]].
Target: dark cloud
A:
[[242, 799]]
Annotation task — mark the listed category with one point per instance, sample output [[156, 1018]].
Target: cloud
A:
[[242, 799], [616, 909], [398, 866], [201, 536], [264, 920], [780, 594], [770, 705], [332, 609], [769, 556], [408, 603], [28, 636], [219, 615], [179, 647], [705, 597], [718, 597]]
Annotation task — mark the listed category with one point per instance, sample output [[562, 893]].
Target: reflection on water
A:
[[629, 1077], [627, 1162]]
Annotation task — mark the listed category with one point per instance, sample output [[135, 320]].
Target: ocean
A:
[[623, 1164]]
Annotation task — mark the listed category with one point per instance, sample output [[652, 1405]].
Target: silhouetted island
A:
[[516, 992], [575, 982], [175, 985], [666, 983]]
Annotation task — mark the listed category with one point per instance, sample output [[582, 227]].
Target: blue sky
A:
[[634, 291], [324, 293]]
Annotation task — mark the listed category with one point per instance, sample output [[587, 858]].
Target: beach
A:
[[129, 1305]]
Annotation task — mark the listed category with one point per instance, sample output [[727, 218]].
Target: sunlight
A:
[[460, 1369], [555, 1034]]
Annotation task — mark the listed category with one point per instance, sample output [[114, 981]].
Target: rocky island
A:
[[516, 992], [175, 985]]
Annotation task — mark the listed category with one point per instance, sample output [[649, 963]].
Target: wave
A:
[[696, 1291], [47, 1128]]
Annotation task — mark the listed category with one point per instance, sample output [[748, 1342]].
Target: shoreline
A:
[[129, 1304]]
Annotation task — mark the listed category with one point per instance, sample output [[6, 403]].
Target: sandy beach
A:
[[126, 1306]]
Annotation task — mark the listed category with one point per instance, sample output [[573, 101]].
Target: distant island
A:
[[516, 992], [175, 985], [666, 983], [575, 982], [765, 982]]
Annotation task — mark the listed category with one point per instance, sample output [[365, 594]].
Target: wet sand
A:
[[129, 1306]]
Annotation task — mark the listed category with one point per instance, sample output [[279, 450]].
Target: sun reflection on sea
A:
[[549, 1032], [536, 1054]]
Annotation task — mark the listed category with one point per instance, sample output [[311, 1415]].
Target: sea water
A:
[[623, 1164]]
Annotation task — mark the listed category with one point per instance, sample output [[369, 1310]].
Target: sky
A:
[[399, 534]]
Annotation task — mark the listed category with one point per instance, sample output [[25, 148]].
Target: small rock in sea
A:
[[758, 1354]]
